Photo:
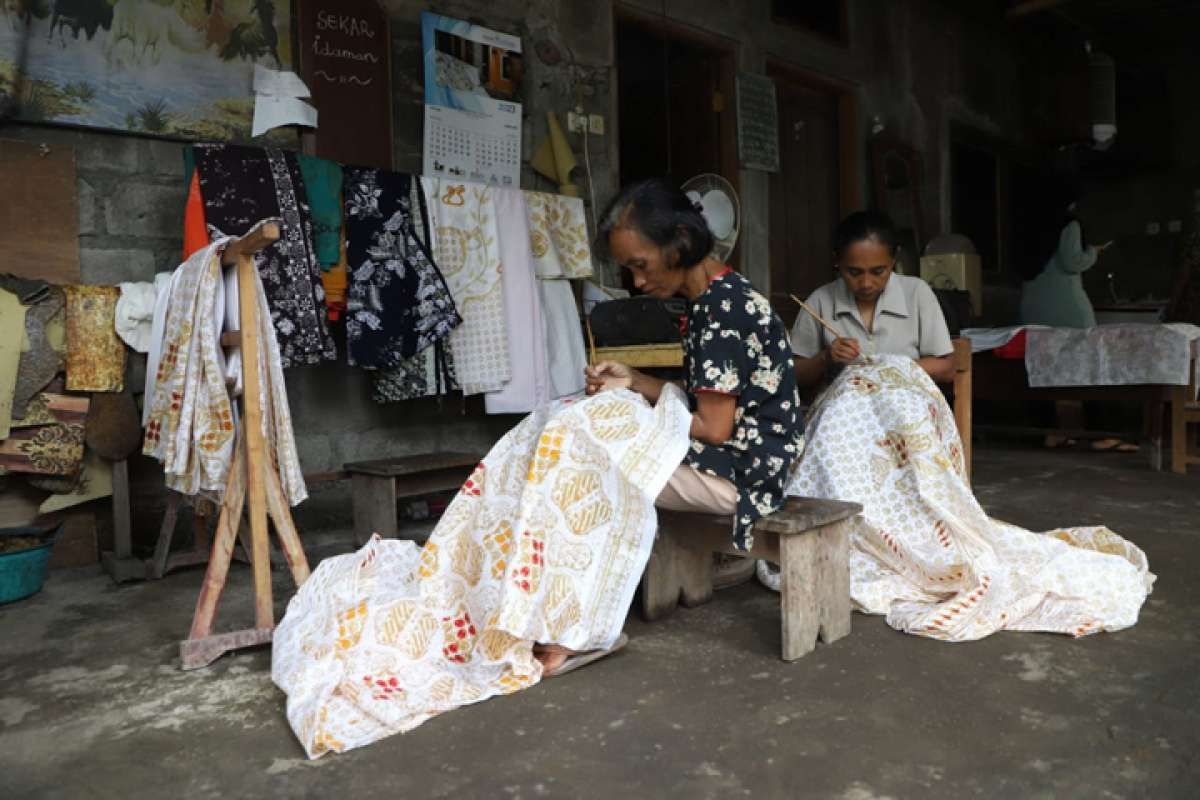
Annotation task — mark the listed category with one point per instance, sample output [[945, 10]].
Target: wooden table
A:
[[1005, 379], [378, 484]]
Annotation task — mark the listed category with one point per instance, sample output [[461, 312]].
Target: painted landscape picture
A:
[[174, 68]]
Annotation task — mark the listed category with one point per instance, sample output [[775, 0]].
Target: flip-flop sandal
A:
[[1114, 446], [583, 659]]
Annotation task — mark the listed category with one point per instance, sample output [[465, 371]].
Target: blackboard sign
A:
[[758, 123], [345, 58]]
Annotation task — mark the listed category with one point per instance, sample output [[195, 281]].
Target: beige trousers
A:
[[689, 489]]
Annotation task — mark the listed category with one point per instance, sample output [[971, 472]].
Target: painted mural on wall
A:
[[166, 67]]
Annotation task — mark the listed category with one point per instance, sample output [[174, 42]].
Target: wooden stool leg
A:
[[674, 571], [374, 507], [798, 556], [833, 580]]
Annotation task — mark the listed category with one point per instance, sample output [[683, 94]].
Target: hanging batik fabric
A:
[[558, 236], [530, 384], [924, 552], [398, 304], [467, 250], [240, 187], [41, 362], [558, 241], [95, 356], [546, 542], [323, 187], [430, 372], [190, 424]]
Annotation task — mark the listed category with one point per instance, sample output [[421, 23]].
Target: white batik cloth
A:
[[1112, 355], [565, 353], [558, 236], [189, 417], [529, 386], [466, 248], [558, 241], [545, 542], [924, 552]]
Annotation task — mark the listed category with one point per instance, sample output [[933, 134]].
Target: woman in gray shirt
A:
[[875, 310]]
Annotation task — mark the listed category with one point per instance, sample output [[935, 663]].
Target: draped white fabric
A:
[[924, 552]]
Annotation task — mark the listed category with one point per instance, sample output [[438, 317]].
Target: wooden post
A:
[[962, 399], [256, 448], [120, 563]]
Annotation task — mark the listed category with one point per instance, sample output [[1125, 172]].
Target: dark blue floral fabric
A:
[[735, 344], [397, 303]]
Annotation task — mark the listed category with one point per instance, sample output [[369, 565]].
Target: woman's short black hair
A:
[[661, 212], [862, 226]]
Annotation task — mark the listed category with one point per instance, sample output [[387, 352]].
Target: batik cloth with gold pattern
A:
[[924, 552], [466, 248], [191, 421], [545, 542], [558, 236], [95, 356]]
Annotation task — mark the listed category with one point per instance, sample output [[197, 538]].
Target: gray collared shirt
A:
[[908, 321]]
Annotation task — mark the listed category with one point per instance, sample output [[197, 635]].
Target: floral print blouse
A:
[[735, 344]]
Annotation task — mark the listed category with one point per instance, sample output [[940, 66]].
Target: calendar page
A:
[[472, 102], [472, 147]]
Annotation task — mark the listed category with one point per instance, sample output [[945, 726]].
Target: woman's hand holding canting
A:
[[607, 375], [844, 351]]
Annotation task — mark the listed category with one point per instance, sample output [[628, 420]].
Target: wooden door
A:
[[805, 194]]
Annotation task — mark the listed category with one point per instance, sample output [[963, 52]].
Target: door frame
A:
[[851, 147], [727, 50]]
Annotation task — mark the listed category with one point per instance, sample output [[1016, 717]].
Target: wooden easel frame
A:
[[253, 479]]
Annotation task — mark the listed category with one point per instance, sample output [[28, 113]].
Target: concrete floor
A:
[[92, 703]]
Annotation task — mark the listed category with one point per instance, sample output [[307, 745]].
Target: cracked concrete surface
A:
[[92, 703]]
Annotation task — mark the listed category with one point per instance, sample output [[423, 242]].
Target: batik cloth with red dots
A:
[[545, 542]]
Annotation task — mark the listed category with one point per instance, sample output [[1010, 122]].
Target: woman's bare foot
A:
[[552, 656]]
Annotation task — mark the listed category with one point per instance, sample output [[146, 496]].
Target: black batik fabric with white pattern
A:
[[397, 303], [244, 185], [735, 344]]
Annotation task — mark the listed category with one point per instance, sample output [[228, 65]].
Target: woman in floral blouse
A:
[[737, 359]]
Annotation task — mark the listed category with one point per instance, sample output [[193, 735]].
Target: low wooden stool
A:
[[378, 484], [809, 540]]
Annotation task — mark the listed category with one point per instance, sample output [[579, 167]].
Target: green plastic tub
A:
[[22, 573]]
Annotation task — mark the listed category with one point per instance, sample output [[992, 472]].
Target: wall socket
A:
[[1152, 228], [1174, 226], [578, 122]]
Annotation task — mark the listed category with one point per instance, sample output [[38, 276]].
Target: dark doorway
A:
[[806, 192], [675, 103], [974, 195]]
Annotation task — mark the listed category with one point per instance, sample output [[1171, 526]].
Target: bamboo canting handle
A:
[[832, 330]]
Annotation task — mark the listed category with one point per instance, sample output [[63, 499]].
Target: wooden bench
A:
[[376, 485], [807, 538]]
